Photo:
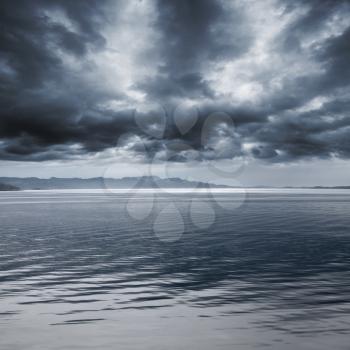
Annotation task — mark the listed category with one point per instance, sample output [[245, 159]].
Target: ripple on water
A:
[[273, 272]]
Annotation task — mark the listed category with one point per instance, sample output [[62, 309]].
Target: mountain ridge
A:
[[127, 182], [35, 183]]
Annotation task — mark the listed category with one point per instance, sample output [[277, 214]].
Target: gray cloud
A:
[[69, 87], [193, 35]]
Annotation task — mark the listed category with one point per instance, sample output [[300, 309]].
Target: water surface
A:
[[78, 272]]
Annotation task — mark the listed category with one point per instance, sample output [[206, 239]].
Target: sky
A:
[[255, 92]]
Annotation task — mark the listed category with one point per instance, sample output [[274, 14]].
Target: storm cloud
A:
[[174, 80]]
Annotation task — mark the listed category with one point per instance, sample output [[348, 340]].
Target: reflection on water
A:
[[77, 272]]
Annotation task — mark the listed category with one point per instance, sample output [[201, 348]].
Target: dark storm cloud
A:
[[30, 40], [32, 131], [55, 104], [324, 131], [332, 53], [335, 56], [321, 133], [194, 34], [42, 114], [317, 12]]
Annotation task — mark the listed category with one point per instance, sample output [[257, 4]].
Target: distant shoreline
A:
[[131, 183], [180, 190]]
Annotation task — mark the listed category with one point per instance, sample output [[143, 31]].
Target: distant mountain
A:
[[34, 183], [332, 187], [7, 187]]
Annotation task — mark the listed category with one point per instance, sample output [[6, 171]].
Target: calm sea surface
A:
[[90, 270]]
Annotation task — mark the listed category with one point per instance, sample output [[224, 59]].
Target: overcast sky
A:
[[213, 90]]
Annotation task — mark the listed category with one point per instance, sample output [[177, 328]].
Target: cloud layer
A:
[[179, 80]]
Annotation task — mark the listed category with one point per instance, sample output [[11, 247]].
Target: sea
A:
[[202, 270]]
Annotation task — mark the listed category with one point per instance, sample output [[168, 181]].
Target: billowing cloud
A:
[[272, 78]]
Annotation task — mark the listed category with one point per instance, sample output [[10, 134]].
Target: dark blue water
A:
[[78, 271]]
